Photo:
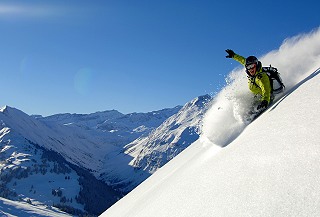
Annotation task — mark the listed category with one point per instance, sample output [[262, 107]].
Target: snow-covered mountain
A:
[[267, 168], [75, 146], [49, 167], [113, 127], [67, 153], [148, 153], [123, 137]]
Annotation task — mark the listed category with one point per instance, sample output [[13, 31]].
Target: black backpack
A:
[[275, 80]]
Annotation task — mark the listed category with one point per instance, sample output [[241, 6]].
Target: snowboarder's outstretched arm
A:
[[233, 55]]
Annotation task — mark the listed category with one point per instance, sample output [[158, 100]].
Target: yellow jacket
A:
[[258, 84]]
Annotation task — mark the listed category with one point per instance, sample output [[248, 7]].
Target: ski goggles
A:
[[251, 66]]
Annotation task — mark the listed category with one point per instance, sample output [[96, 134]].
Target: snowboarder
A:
[[259, 80]]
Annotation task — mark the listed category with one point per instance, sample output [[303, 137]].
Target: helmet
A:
[[251, 60]]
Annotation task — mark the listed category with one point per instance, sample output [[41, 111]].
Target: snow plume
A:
[[296, 58]]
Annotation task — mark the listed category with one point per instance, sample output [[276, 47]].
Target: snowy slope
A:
[[21, 209], [268, 168]]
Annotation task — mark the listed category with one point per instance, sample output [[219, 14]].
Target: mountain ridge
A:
[[32, 142]]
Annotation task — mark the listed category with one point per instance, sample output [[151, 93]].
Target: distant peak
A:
[[5, 108], [2, 109], [201, 100], [205, 97]]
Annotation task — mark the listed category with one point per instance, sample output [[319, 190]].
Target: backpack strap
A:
[[270, 69], [273, 74]]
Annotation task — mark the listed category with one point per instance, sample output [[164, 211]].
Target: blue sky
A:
[[133, 55]]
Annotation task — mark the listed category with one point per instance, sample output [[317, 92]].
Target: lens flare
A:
[[83, 80]]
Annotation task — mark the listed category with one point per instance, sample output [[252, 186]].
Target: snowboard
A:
[[254, 114]]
